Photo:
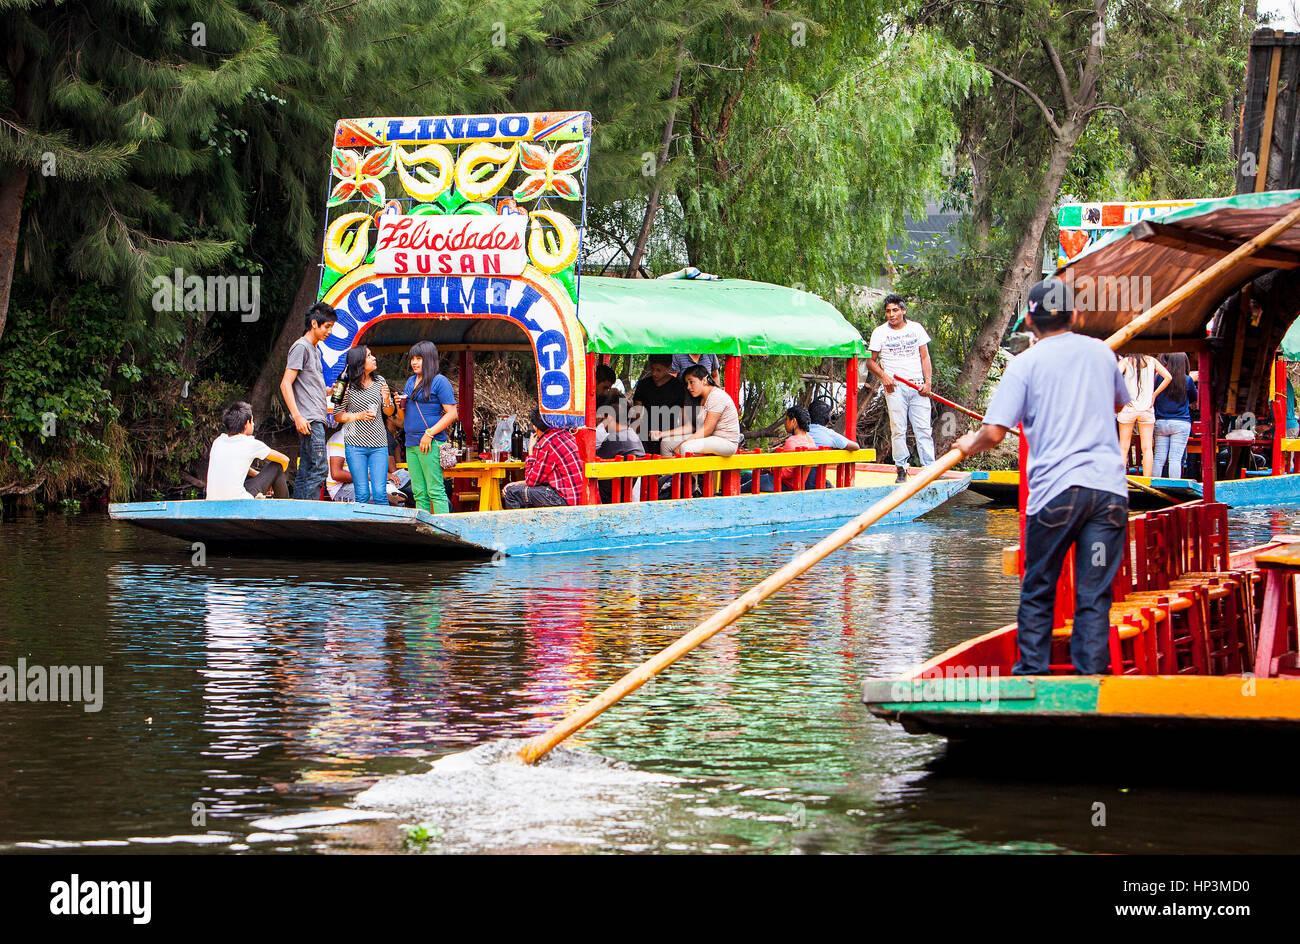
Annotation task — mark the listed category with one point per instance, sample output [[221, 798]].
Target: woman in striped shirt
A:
[[365, 442]]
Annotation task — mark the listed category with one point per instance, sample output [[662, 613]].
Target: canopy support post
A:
[[466, 400], [851, 399], [1022, 492], [1209, 426], [731, 378], [1279, 412], [591, 390]]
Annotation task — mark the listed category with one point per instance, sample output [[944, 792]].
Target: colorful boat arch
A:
[[533, 303]]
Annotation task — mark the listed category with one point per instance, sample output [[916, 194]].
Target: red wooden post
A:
[[851, 399], [586, 438], [466, 401], [591, 389], [1279, 413], [1023, 493], [1209, 426], [731, 378]]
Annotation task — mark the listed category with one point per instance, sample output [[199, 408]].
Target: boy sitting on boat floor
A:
[[1065, 389], [230, 474]]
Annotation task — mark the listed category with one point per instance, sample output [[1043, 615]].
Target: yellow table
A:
[[490, 476]]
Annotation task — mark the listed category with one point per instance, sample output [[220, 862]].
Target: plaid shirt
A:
[[555, 462]]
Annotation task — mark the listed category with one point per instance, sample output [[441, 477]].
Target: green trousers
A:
[[426, 479]]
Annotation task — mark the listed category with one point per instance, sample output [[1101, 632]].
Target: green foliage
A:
[[417, 836], [81, 411]]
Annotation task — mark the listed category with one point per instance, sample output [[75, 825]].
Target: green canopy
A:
[[724, 316], [1291, 343]]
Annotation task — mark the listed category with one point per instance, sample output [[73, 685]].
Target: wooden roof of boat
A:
[[1133, 268]]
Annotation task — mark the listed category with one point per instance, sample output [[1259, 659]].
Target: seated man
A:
[[614, 438], [819, 412], [796, 426], [230, 475], [554, 473], [664, 400], [607, 381]]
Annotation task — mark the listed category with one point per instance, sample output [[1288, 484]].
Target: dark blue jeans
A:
[[312, 464], [1096, 523]]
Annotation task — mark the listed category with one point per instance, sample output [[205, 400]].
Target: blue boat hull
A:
[[261, 526], [1256, 490]]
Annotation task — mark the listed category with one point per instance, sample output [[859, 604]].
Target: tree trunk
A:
[[268, 381], [1024, 270], [11, 211]]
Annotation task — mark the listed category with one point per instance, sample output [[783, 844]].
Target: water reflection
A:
[[273, 686]]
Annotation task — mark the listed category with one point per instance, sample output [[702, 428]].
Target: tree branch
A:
[[1042, 106], [1066, 92]]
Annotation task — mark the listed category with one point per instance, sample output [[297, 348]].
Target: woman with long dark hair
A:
[[425, 410], [365, 441], [1139, 372], [717, 429], [1174, 416]]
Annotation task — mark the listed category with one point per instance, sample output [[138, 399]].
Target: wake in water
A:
[[486, 798]]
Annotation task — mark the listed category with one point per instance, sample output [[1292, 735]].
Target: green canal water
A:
[[241, 690]]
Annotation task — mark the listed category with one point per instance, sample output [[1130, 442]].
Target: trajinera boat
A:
[[479, 224], [1253, 468], [1203, 640]]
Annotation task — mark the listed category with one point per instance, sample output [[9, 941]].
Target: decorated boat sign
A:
[[1083, 224], [450, 245], [462, 216]]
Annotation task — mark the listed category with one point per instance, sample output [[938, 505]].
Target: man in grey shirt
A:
[[303, 389], [1065, 390]]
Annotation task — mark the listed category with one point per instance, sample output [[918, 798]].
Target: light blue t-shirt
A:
[[1065, 389], [824, 436]]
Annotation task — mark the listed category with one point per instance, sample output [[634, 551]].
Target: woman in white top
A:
[[1139, 372], [717, 431]]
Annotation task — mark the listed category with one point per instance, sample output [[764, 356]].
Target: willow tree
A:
[[809, 142], [105, 113]]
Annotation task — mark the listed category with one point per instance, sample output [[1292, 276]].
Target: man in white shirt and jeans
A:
[[902, 347]]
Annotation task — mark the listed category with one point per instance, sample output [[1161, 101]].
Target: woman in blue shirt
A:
[[426, 409], [1173, 416]]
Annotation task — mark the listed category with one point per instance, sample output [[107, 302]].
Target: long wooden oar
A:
[[538, 746], [956, 406]]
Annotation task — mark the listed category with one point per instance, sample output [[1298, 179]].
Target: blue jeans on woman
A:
[[1171, 438], [368, 466], [1096, 523]]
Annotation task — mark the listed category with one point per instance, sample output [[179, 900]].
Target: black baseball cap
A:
[[1051, 297]]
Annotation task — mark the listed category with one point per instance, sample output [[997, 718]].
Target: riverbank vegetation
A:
[[786, 142]]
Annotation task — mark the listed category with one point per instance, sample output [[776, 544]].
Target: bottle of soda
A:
[[517, 444]]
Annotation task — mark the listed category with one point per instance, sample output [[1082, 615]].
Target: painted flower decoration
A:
[[360, 176], [550, 170]]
